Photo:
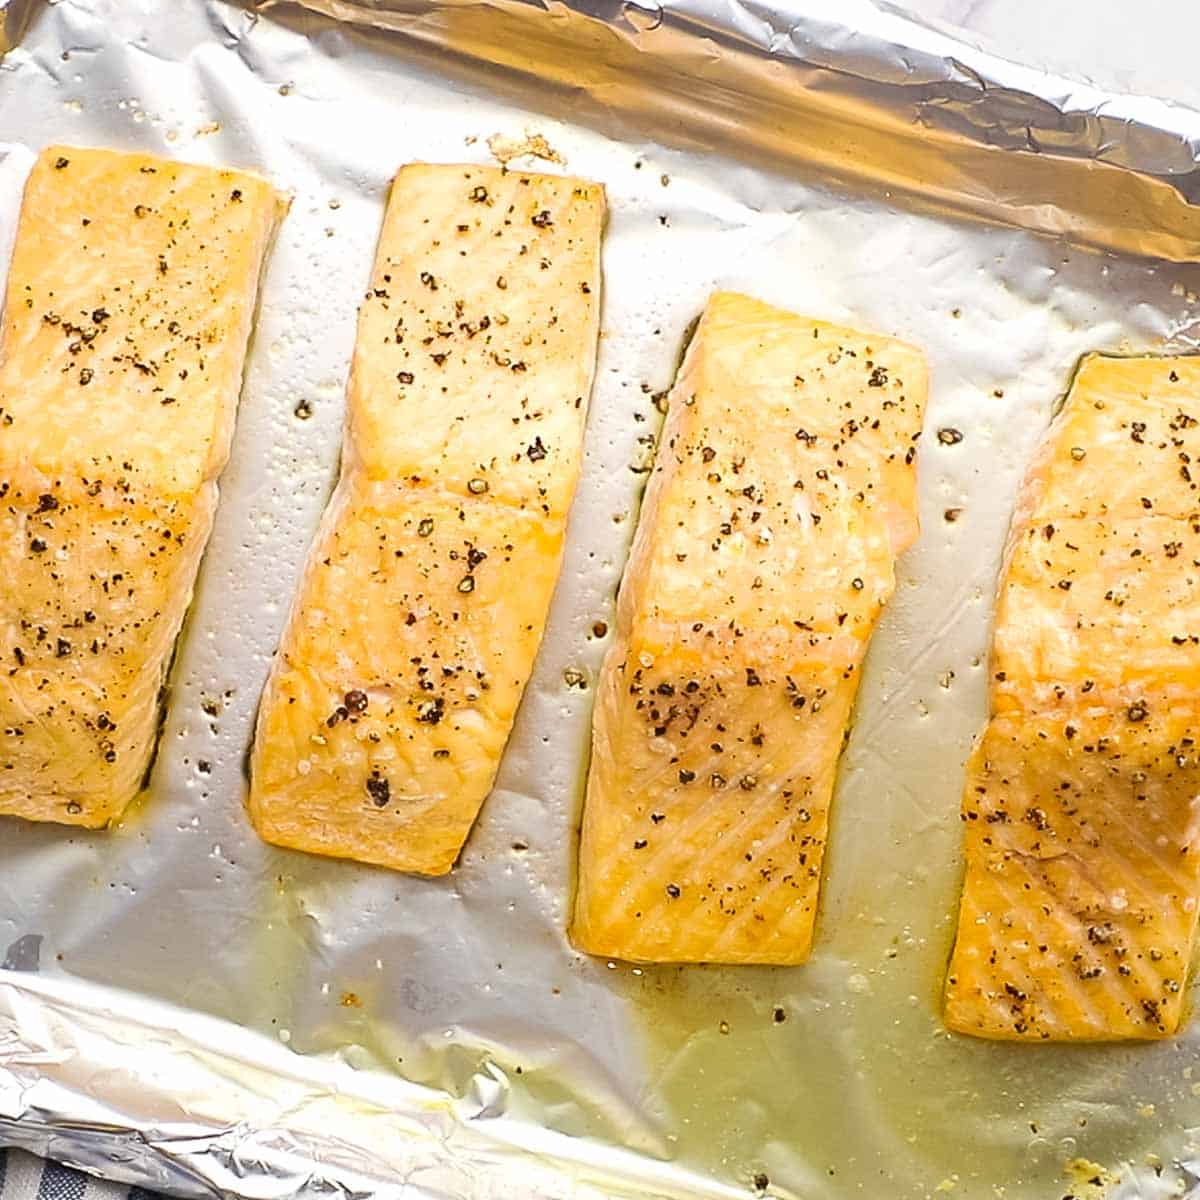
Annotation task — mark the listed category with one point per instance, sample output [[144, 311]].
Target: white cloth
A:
[[24, 1177]]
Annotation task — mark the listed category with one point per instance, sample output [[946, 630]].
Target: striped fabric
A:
[[24, 1177]]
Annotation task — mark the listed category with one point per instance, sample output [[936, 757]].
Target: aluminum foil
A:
[[183, 1006]]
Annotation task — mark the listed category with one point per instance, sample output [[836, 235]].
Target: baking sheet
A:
[[181, 1004]]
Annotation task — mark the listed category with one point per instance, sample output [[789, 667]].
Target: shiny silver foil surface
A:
[[183, 1006]]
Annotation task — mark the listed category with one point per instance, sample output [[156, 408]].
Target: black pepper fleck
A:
[[378, 789]]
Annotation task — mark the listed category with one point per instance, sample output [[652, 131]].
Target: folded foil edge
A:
[[144, 1092], [860, 93], [14, 19]]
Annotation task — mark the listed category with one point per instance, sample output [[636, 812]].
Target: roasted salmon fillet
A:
[[782, 492], [424, 599], [128, 311], [1081, 810]]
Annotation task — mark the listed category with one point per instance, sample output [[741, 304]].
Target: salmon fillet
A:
[[424, 599], [128, 311], [782, 492], [1081, 808]]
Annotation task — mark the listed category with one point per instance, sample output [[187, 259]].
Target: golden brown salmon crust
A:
[[424, 598], [782, 492], [125, 326], [1081, 804]]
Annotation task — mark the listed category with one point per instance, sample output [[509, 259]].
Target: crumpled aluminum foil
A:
[[850, 88], [183, 1006]]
